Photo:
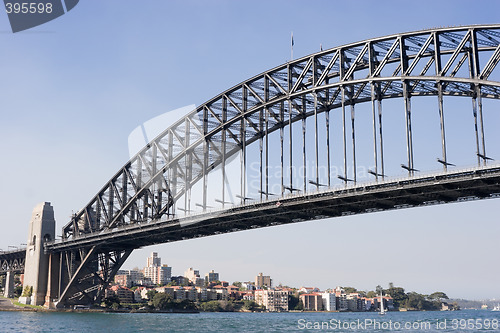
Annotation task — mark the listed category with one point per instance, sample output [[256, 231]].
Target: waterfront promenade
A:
[[6, 305]]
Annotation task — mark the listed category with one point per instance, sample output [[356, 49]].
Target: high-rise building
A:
[[192, 274], [157, 273], [194, 277], [211, 277], [262, 281], [153, 260]]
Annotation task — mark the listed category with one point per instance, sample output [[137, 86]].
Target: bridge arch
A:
[[442, 62], [457, 62]]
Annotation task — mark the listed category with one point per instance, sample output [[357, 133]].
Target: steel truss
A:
[[12, 261], [437, 62], [85, 273]]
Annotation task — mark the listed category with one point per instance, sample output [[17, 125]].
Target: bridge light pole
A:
[[317, 184], [410, 170], [268, 194], [244, 199], [203, 206], [376, 174], [345, 179], [291, 189], [223, 202]]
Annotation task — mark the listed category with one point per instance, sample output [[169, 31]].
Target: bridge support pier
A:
[[52, 280], [36, 268], [9, 285]]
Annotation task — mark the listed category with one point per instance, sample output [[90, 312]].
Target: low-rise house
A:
[[248, 296], [308, 290], [202, 293], [368, 303], [167, 290], [179, 293], [191, 293], [124, 294]]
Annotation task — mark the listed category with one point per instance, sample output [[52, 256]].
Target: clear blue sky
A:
[[73, 89]]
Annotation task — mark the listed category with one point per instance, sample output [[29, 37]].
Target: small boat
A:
[[496, 308]]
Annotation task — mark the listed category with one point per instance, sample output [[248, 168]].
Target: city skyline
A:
[[90, 85]]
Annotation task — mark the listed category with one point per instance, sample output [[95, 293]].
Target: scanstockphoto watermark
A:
[[26, 14], [389, 325]]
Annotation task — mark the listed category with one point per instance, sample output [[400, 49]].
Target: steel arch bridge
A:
[[141, 203]]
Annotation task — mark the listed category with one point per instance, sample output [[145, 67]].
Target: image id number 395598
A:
[[28, 8], [474, 324]]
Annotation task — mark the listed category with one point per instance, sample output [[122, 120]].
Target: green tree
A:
[[252, 306], [151, 294], [417, 301], [299, 306], [349, 290], [18, 291], [398, 295], [438, 295], [371, 294], [27, 291], [185, 304], [110, 300], [210, 306], [163, 301], [226, 306], [237, 284], [293, 301]]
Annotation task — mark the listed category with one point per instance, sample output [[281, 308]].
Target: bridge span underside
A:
[[297, 136]]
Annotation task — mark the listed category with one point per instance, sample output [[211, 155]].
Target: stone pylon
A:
[[36, 269], [9, 285]]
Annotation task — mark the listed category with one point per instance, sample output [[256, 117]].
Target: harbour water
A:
[[457, 321]]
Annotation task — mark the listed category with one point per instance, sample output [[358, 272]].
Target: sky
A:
[[72, 91]]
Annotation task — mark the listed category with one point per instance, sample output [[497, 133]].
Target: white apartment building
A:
[[329, 301], [157, 273], [153, 260], [248, 285], [192, 274], [273, 300]]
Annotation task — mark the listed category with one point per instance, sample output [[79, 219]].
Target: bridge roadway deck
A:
[[455, 186]]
